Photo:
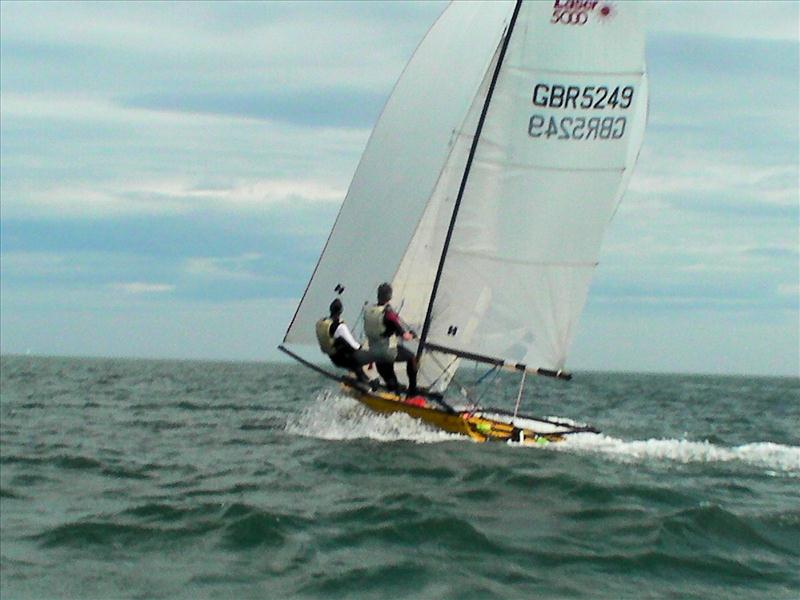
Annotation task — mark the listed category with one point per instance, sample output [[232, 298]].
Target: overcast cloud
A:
[[170, 172]]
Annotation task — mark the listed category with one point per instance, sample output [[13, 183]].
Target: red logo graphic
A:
[[577, 12], [606, 12]]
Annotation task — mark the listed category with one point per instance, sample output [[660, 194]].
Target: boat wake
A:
[[336, 417], [333, 416], [778, 458]]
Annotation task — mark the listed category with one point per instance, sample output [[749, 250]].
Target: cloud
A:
[[712, 173], [790, 289], [171, 197], [229, 268], [177, 167], [732, 98], [140, 287], [768, 20], [208, 47], [772, 252], [312, 108]]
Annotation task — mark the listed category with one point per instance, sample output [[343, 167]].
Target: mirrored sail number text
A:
[[577, 128], [584, 98]]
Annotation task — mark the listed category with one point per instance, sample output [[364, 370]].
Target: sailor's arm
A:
[[343, 332], [394, 326]]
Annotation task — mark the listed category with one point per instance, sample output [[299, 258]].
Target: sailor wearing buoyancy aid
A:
[[382, 326], [338, 343]]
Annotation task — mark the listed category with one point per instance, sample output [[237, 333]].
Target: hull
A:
[[481, 425]]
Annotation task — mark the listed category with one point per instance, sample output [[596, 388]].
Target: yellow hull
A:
[[479, 428]]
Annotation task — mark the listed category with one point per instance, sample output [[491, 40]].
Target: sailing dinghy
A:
[[482, 196]]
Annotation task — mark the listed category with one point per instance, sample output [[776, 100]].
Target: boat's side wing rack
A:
[[573, 427], [351, 381], [312, 366]]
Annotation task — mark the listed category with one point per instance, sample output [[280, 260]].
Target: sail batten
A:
[[520, 166], [538, 263], [574, 73]]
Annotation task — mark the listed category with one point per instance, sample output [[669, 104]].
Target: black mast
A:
[[427, 324]]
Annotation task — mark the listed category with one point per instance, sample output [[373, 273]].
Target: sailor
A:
[[338, 343], [382, 326]]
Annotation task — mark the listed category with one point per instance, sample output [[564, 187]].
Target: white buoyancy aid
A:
[[375, 329], [324, 337]]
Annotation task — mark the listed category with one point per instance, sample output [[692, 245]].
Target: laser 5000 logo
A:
[[576, 12]]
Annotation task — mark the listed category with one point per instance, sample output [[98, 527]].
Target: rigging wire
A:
[[358, 326], [494, 372], [493, 369], [443, 371], [464, 391], [519, 393]]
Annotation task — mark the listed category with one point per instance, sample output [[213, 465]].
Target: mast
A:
[[473, 148]]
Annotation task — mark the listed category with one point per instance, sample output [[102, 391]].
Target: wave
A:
[[234, 526], [11, 494], [71, 462]]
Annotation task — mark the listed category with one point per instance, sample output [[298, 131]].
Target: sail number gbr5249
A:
[[588, 125]]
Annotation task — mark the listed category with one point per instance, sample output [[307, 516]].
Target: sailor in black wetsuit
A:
[[338, 343]]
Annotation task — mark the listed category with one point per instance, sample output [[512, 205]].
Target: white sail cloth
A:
[[561, 135], [413, 282], [402, 161], [562, 131]]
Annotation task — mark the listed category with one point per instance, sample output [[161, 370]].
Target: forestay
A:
[[402, 162], [561, 134]]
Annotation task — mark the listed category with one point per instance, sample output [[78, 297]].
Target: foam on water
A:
[[778, 457], [335, 417]]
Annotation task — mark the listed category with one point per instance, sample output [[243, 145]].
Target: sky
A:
[[169, 173]]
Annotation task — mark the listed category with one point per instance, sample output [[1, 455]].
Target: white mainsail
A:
[[561, 134], [487, 184], [402, 161]]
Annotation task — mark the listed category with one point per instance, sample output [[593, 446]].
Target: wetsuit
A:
[[343, 350]]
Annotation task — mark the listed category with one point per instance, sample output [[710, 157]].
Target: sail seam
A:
[[540, 263], [549, 168], [579, 73]]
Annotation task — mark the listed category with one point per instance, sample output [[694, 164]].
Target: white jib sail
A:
[[414, 279], [402, 162], [561, 135]]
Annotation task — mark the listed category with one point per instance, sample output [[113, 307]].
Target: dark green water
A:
[[145, 479]]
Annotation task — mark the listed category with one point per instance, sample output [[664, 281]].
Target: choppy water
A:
[[145, 479]]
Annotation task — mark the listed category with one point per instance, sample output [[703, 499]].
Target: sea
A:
[[176, 479]]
